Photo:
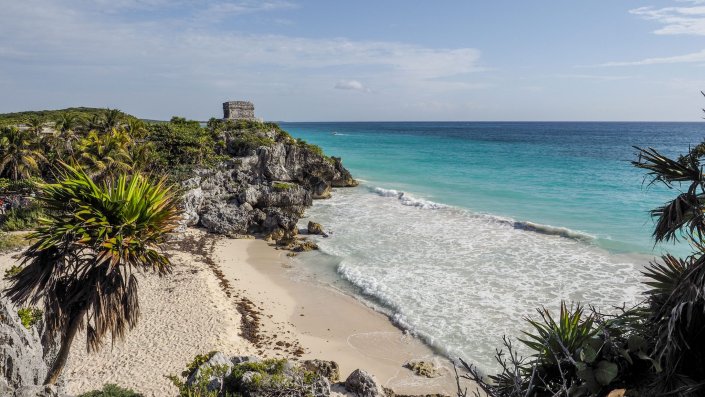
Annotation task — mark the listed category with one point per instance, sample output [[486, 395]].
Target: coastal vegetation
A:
[[111, 390], [81, 266], [655, 348]]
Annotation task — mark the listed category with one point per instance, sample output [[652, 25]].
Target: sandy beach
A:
[[238, 296]]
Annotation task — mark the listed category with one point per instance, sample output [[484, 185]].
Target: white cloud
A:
[[353, 85], [687, 58], [676, 20], [54, 33]]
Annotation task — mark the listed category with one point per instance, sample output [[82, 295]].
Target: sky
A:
[[383, 60]]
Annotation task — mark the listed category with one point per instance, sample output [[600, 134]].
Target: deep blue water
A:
[[572, 175]]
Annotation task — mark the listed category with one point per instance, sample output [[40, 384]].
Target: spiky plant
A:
[[677, 294], [19, 153], [82, 265]]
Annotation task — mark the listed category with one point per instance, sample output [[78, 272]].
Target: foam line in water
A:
[[554, 231], [409, 200]]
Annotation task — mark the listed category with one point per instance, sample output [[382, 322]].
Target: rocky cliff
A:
[[23, 357], [264, 184]]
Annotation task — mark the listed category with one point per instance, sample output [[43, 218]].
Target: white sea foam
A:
[[460, 279], [407, 199]]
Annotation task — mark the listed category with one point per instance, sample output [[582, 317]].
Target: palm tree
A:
[[19, 155], [36, 125], [67, 122], [107, 155], [86, 252], [110, 120], [677, 285]]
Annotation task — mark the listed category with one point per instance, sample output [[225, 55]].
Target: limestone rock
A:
[[304, 246], [260, 189], [216, 368], [328, 369], [23, 366], [364, 385], [423, 368], [315, 228]]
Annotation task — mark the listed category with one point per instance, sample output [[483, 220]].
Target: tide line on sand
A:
[[198, 308]]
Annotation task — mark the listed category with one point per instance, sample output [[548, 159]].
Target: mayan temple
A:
[[238, 110]]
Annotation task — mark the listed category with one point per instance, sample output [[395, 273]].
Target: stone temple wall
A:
[[238, 110]]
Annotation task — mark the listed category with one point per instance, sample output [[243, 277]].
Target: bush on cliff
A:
[[182, 145]]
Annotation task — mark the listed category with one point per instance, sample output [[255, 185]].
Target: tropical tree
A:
[[67, 122], [105, 155], [36, 125], [677, 285], [86, 252], [19, 153]]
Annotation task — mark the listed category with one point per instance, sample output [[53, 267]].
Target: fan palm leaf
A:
[[86, 252]]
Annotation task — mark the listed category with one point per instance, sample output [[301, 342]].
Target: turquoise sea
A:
[[460, 229]]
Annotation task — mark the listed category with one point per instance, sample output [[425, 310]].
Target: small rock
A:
[[328, 369], [304, 246], [423, 368], [316, 228], [364, 385], [215, 381]]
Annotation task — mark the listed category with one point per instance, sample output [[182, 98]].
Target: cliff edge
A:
[[264, 184]]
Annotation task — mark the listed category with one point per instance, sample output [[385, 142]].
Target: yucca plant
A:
[[553, 338], [82, 265]]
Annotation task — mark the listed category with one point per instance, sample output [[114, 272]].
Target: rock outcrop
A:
[[266, 183], [22, 358]]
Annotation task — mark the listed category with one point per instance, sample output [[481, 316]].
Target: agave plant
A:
[[82, 265]]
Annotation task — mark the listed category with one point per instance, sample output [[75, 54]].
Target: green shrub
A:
[[310, 147], [111, 390], [271, 377], [282, 185], [29, 316], [22, 218], [12, 241], [197, 362], [12, 271], [249, 141]]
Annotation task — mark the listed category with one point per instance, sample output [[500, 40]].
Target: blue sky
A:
[[361, 60]]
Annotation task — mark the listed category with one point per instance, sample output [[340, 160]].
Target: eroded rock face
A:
[[22, 358], [364, 385], [252, 377], [261, 189]]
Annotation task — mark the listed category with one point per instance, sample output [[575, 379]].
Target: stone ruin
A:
[[239, 110]]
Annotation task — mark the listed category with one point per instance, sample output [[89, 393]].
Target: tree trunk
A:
[[63, 355]]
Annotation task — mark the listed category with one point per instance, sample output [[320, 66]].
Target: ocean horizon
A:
[[459, 230]]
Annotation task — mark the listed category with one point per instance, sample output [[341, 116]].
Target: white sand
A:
[[189, 313]]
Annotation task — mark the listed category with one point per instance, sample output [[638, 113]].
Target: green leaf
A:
[[624, 353], [588, 354], [636, 343], [655, 363], [605, 372]]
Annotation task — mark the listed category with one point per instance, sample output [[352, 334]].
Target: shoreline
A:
[[328, 324], [237, 296]]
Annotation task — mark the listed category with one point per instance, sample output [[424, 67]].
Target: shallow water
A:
[[459, 230]]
